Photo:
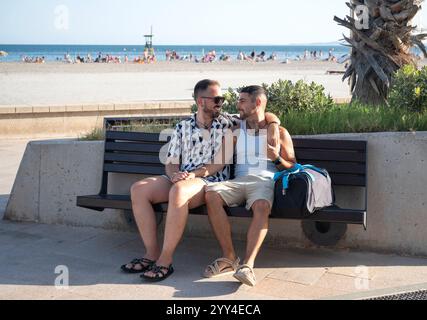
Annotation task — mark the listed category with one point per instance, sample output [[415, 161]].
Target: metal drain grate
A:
[[416, 295]]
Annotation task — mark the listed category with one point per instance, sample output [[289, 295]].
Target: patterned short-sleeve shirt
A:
[[193, 147]]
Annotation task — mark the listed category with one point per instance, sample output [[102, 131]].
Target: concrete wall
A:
[[75, 120], [52, 174]]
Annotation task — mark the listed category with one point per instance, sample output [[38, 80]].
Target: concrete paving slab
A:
[[93, 256], [290, 290], [306, 276], [344, 283]]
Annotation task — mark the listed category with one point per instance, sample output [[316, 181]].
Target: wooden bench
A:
[[345, 160]]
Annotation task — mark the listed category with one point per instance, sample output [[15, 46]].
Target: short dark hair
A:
[[202, 86], [253, 91]]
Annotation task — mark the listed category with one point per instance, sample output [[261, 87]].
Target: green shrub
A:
[[354, 118], [94, 135], [230, 105], [285, 96], [149, 126], [409, 89]]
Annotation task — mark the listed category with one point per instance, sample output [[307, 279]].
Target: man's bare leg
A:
[[183, 196], [220, 225], [257, 230], [143, 194]]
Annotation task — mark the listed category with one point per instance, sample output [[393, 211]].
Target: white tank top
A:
[[251, 155]]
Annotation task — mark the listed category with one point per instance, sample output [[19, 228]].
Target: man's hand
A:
[[190, 176], [180, 176], [273, 152]]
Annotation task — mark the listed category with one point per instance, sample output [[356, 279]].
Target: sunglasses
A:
[[218, 100]]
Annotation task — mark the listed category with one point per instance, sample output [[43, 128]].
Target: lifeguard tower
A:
[[149, 46]]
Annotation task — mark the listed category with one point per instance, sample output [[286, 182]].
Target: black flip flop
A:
[[149, 264], [159, 272]]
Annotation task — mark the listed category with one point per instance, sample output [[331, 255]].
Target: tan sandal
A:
[[213, 270], [246, 275]]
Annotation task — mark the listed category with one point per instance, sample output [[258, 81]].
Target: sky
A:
[[226, 22]]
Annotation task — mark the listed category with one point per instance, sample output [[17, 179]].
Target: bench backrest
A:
[[138, 153]]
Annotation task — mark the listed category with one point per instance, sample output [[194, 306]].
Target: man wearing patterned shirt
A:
[[194, 143]]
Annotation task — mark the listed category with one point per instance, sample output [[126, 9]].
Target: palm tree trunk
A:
[[382, 49]]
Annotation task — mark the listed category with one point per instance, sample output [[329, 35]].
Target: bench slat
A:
[[133, 147], [331, 166], [123, 202], [105, 201], [304, 155], [340, 167], [133, 136], [339, 179], [356, 145], [127, 168], [348, 180], [132, 158]]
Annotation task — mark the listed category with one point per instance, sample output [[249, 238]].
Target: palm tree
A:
[[382, 48]]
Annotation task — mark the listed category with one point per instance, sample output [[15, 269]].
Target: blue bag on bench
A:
[[302, 190]]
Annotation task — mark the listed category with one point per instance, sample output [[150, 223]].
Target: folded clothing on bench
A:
[[302, 190]]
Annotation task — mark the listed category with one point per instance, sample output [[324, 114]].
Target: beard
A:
[[214, 113], [243, 115]]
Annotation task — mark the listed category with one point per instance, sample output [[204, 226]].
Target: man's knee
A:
[[179, 192], [137, 188], [261, 207], [213, 198], [140, 189]]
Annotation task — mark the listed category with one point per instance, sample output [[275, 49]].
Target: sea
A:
[[51, 53]]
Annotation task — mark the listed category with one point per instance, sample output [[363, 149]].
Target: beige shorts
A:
[[248, 188]]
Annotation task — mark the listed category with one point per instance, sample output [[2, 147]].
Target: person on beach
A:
[[273, 57], [261, 57], [253, 55], [253, 184], [194, 143]]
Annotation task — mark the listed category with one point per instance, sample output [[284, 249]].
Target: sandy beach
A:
[[59, 84]]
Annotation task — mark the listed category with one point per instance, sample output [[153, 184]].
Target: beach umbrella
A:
[[3, 53]]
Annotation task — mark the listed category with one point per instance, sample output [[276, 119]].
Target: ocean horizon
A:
[[17, 52]]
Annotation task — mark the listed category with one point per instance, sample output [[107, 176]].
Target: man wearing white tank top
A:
[[257, 159]]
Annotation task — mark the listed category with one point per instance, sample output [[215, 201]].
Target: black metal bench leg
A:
[[323, 233]]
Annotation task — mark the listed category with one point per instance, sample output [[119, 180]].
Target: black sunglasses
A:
[[218, 100]]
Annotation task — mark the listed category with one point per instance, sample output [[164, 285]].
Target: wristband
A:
[[278, 161]]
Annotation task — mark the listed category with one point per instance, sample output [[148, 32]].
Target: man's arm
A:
[[223, 157], [171, 170], [273, 124], [271, 118], [284, 156], [173, 161]]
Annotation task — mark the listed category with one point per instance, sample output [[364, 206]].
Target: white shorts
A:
[[244, 189]]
